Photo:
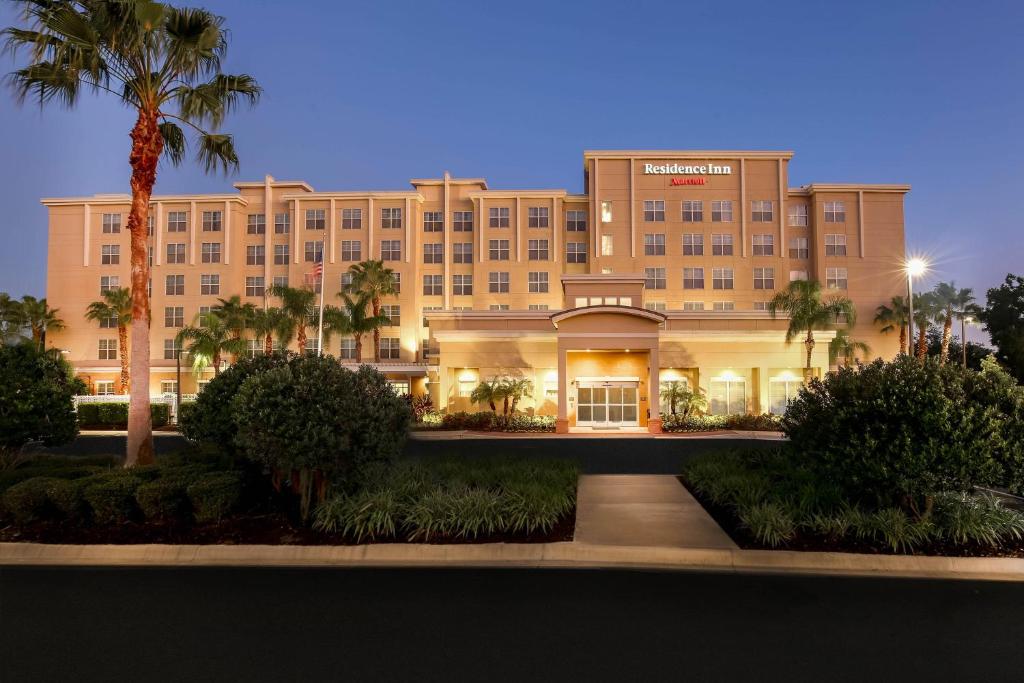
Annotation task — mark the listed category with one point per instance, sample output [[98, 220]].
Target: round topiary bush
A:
[[215, 495], [29, 500], [111, 497], [163, 499]]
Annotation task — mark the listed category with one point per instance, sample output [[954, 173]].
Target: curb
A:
[[457, 434], [516, 555]]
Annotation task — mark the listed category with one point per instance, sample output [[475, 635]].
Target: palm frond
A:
[[217, 151], [174, 142]]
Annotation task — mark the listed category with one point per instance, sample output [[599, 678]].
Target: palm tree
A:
[[351, 320], [235, 315], [116, 304], [39, 318], [487, 392], [372, 278], [677, 393], [297, 303], [210, 339], [894, 316], [950, 304], [808, 312], [161, 62], [517, 388], [12, 318], [924, 312], [268, 323], [845, 347]]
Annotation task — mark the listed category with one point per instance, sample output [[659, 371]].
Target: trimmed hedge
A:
[[491, 422], [709, 423], [115, 415]]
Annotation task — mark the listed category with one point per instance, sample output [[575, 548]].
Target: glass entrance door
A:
[[607, 404]]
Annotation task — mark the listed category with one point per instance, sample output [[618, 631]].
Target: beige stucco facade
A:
[[701, 238]]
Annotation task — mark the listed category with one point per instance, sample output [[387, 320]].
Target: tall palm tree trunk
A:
[[300, 339], [922, 343], [903, 340], [809, 345], [376, 330], [147, 144], [268, 344], [947, 334], [236, 335], [122, 343], [359, 347], [216, 364]]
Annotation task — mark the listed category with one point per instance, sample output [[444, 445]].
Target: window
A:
[[282, 223], [209, 284], [212, 221], [109, 282], [693, 278], [400, 387], [538, 282], [351, 219], [576, 221], [498, 307], [781, 392], [314, 252], [254, 286], [110, 254], [462, 284], [397, 278], [760, 306], [721, 278], [693, 305], [393, 312], [282, 280], [174, 285], [174, 316], [835, 245], [761, 211], [764, 278], [313, 346], [462, 221], [537, 307], [391, 250], [433, 221], [254, 347], [693, 244], [798, 248], [316, 219], [149, 256], [176, 221], [537, 250], [351, 250], [576, 252], [798, 215], [426, 309], [498, 250], [210, 252], [390, 218], [497, 282], [835, 212], [721, 245], [654, 244], [175, 253], [281, 254], [654, 210], [204, 311], [432, 285], [108, 349], [693, 211], [103, 387], [255, 255], [462, 252], [111, 223], [724, 306], [108, 323], [171, 349], [607, 245], [764, 245], [797, 275], [656, 306], [498, 217], [721, 211], [727, 396], [654, 278], [606, 212], [256, 224], [433, 253], [835, 278], [537, 217], [348, 349], [390, 348]]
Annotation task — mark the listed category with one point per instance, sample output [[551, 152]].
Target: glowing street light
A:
[[964, 322], [915, 267]]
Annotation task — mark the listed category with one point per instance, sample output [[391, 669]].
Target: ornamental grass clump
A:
[[367, 515], [769, 523], [979, 519]]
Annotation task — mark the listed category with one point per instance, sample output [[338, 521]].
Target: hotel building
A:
[[659, 271]]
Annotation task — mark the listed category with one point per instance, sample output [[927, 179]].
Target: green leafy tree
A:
[[894, 316], [1003, 317], [351, 320], [377, 281], [39, 318], [516, 389], [297, 303], [115, 304], [808, 312], [208, 342], [487, 392], [164, 64], [681, 399], [35, 402], [235, 315], [951, 304], [12, 319], [975, 353], [845, 347], [269, 324]]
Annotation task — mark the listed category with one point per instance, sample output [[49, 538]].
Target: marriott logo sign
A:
[[686, 169]]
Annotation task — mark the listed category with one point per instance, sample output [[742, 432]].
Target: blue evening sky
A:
[[370, 94]]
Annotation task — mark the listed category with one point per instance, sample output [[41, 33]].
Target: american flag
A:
[[313, 278]]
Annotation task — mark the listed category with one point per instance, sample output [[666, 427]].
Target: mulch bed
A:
[[265, 529], [726, 518]]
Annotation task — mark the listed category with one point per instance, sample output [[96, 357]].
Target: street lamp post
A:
[[915, 267], [964, 322]]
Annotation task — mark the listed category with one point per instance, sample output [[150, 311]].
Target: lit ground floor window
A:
[[727, 396], [780, 392]]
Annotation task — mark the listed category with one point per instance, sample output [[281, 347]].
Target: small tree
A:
[[517, 388], [235, 316], [680, 398], [375, 280], [486, 392], [351, 320], [39, 318], [950, 303], [35, 402], [12, 319], [116, 305], [1003, 318], [297, 303], [894, 316], [925, 311], [808, 312], [846, 347], [209, 341], [269, 324]]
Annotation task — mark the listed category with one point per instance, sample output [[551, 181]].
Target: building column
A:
[[562, 420], [654, 391]]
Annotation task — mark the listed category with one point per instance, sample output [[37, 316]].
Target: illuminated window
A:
[[168, 386], [103, 387], [607, 245], [606, 212], [780, 392], [727, 396], [795, 275]]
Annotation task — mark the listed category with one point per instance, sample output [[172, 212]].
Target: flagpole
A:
[[320, 324]]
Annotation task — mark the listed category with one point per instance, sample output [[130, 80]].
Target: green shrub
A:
[[708, 423], [769, 523], [163, 499], [88, 413], [892, 527], [29, 500], [535, 507], [114, 415], [215, 495], [478, 512], [486, 421], [68, 498], [111, 496], [981, 520], [366, 515]]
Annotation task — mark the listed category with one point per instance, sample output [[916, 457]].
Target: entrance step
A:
[[643, 510]]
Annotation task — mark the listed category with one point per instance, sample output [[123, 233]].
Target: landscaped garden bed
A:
[[713, 423], [486, 421]]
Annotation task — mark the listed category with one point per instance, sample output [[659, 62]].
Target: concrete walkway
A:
[[643, 510]]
